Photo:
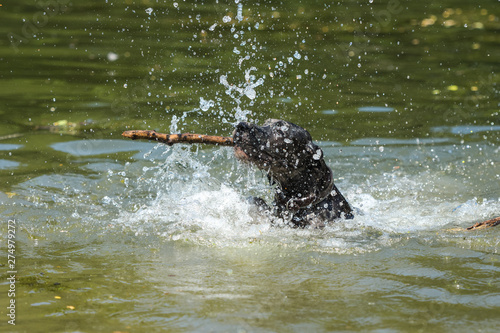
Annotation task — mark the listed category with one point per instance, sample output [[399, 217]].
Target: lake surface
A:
[[113, 235]]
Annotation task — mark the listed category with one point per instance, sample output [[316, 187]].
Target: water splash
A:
[[239, 13], [245, 89], [206, 105], [198, 196]]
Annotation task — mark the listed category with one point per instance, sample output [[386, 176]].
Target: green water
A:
[[116, 235]]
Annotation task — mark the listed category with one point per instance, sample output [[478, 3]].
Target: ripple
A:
[[329, 111], [6, 164], [99, 147], [394, 142], [466, 129], [375, 109], [41, 303], [8, 146]]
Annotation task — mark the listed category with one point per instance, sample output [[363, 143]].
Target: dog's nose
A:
[[241, 128]]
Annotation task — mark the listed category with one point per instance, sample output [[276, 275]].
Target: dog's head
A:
[[279, 147], [296, 165]]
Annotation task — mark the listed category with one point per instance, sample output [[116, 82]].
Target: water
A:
[[117, 235]]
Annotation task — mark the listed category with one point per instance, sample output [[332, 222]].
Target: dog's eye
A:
[[284, 128], [317, 155]]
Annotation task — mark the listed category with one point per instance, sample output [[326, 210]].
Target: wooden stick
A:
[[170, 139], [485, 224]]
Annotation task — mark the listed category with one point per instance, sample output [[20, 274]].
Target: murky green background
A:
[[115, 235]]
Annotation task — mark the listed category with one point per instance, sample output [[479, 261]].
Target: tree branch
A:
[[170, 139], [485, 224]]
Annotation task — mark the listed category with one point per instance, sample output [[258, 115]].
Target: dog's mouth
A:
[[238, 139], [240, 154]]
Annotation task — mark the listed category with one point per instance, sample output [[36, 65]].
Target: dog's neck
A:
[[295, 193]]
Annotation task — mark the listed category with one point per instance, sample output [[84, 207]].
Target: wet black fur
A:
[[305, 192]]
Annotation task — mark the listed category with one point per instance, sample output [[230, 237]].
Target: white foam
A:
[[218, 216], [202, 201]]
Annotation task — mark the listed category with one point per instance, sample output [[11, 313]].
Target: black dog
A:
[[305, 192]]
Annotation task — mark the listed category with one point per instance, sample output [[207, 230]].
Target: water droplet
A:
[[206, 105], [112, 56], [250, 93], [239, 15]]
